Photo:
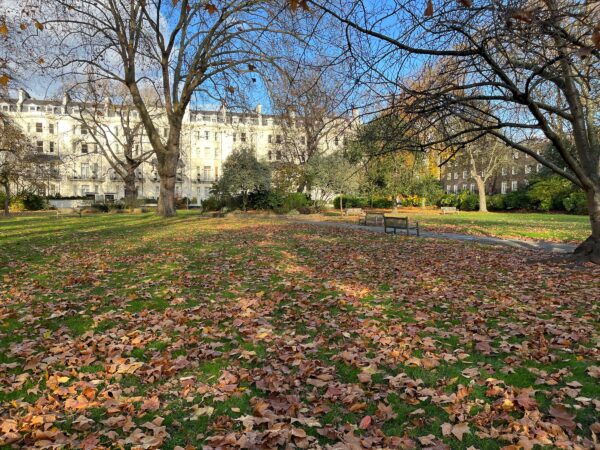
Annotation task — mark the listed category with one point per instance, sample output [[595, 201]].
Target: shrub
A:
[[496, 202], [576, 203], [549, 193], [212, 203], [99, 207], [265, 200], [468, 201], [295, 200], [350, 202], [448, 200], [517, 200], [382, 202], [34, 202], [307, 210]]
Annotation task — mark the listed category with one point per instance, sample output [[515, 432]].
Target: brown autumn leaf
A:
[[596, 37], [4, 80], [365, 423], [429, 9], [3, 29], [151, 404], [466, 3], [295, 4], [562, 416], [210, 8], [39, 25], [460, 429]]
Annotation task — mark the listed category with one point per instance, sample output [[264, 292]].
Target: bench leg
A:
[[418, 234]]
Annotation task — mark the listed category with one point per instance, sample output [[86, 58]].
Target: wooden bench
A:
[[354, 212], [373, 219], [66, 212], [449, 210], [399, 223]]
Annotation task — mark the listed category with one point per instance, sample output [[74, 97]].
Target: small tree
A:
[[243, 174], [17, 160], [484, 164], [125, 146], [334, 174]]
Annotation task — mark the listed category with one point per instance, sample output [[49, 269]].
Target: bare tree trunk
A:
[[7, 199], [131, 191], [482, 197], [590, 249], [167, 170]]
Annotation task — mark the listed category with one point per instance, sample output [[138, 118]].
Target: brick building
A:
[[513, 173]]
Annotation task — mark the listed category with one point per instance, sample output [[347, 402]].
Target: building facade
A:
[[78, 169], [514, 172]]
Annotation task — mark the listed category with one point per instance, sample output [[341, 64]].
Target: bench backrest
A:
[[374, 218], [396, 221], [449, 208]]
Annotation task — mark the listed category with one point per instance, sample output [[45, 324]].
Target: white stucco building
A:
[[208, 138]]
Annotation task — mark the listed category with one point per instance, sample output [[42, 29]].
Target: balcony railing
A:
[[78, 177], [205, 179]]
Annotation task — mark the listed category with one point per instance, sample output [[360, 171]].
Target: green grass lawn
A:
[[537, 226], [139, 332]]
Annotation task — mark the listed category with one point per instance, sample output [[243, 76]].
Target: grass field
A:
[[139, 332], [536, 226]]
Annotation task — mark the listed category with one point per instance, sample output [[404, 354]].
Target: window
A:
[[84, 129], [85, 170], [197, 135], [504, 171], [39, 128], [538, 167], [243, 138], [472, 187], [278, 139], [278, 155], [464, 174], [84, 148], [84, 189], [464, 186], [455, 188], [234, 137], [51, 147], [51, 128], [514, 185], [449, 177], [516, 155], [206, 192], [527, 169], [456, 175], [270, 139], [504, 187], [270, 155], [337, 141], [39, 145], [513, 170], [206, 172], [206, 135]]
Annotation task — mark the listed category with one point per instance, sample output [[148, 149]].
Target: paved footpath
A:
[[517, 243]]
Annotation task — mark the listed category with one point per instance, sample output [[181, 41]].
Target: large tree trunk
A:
[[7, 199], [589, 250], [482, 198], [131, 191], [167, 170]]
